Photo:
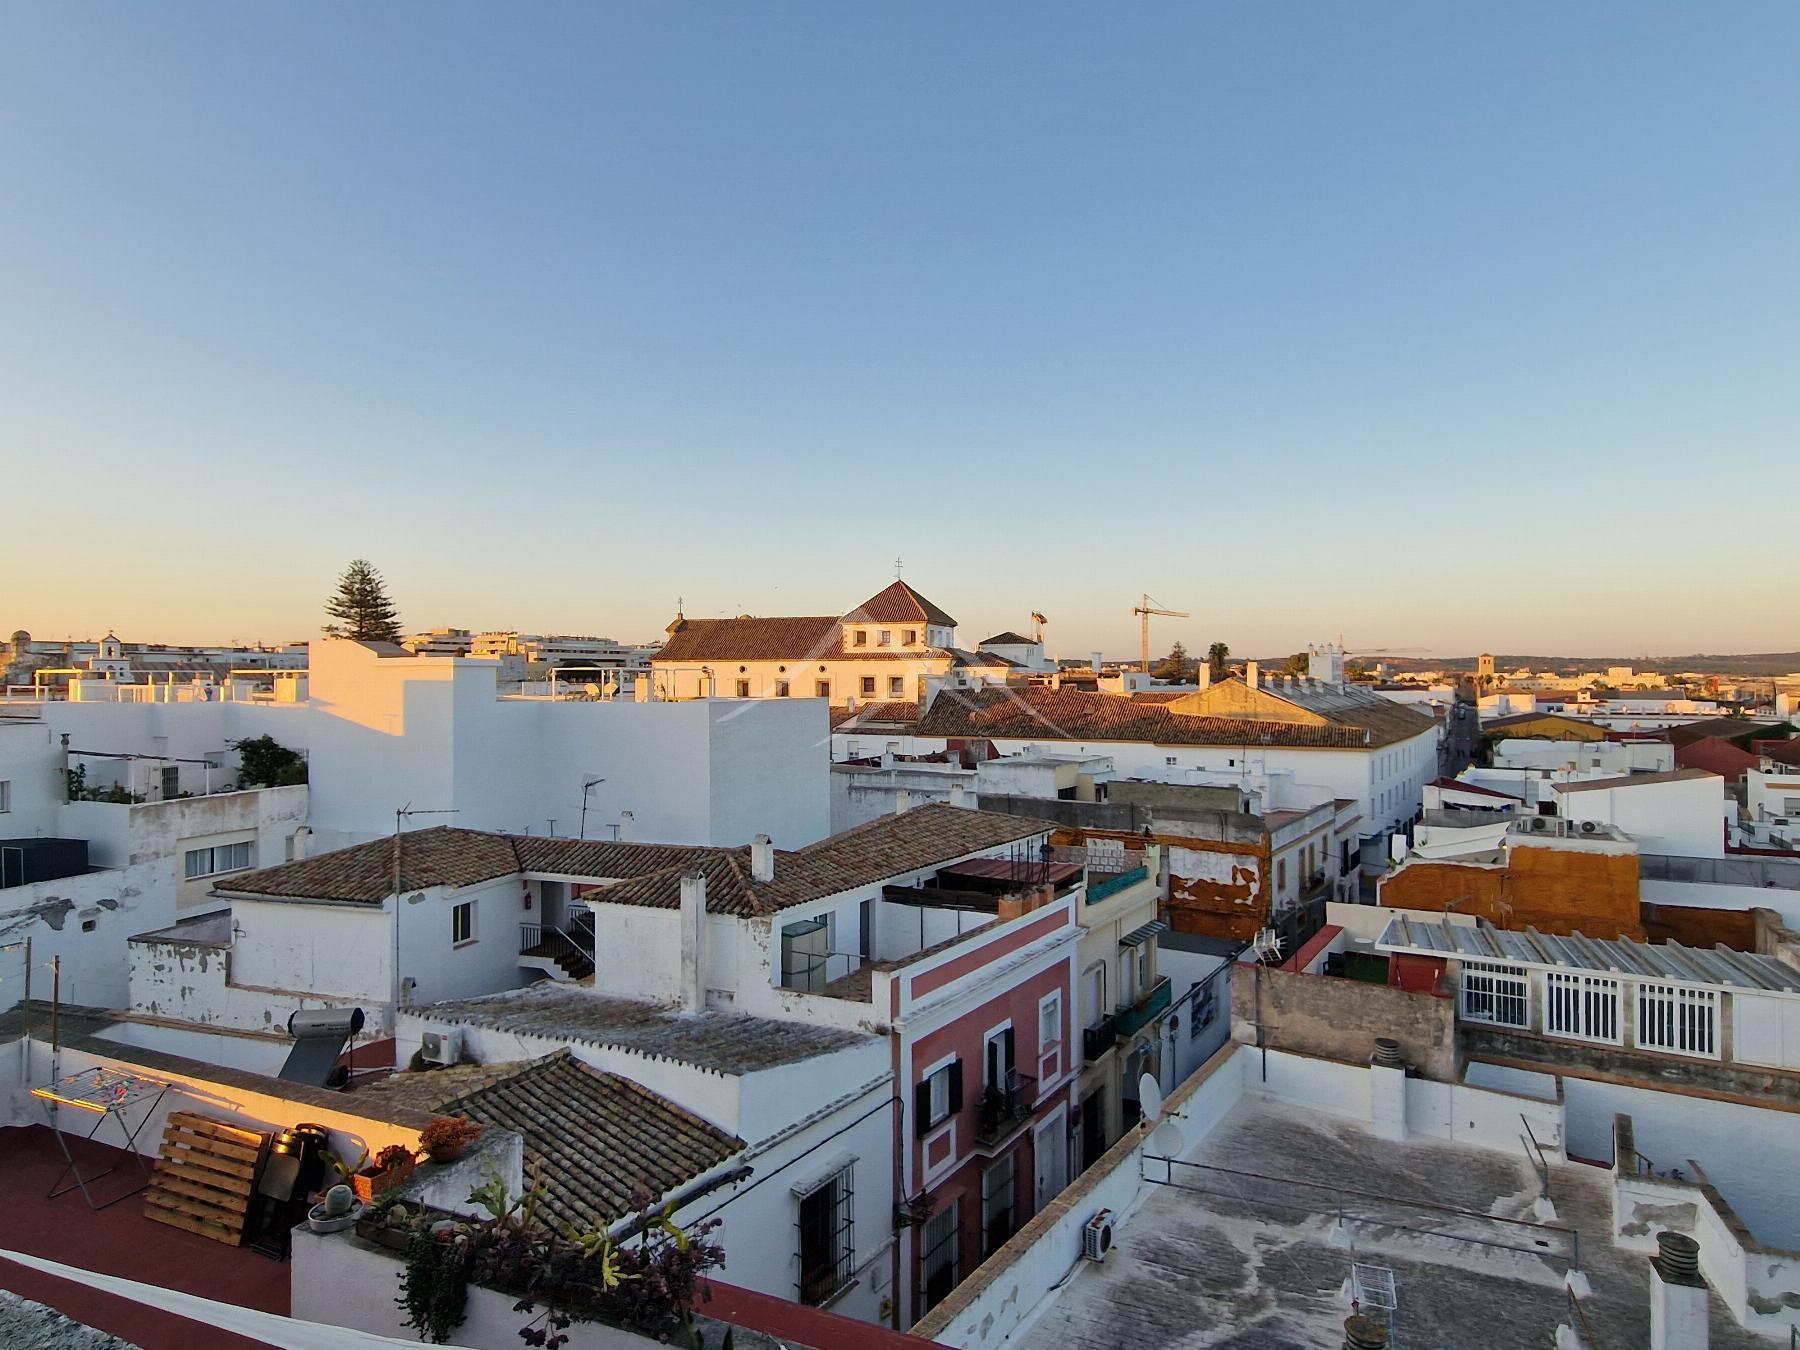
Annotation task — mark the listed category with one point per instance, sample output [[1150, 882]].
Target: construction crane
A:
[[1144, 611]]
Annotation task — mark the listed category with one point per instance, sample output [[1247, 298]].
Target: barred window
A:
[[941, 1255], [998, 1186], [1497, 994], [1683, 1020], [827, 1238], [1582, 1007]]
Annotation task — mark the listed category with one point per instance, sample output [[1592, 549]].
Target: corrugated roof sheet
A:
[[1656, 961]]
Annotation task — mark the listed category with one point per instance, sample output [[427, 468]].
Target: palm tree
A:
[[1216, 656]]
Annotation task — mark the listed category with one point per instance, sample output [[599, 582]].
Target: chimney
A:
[[1250, 673], [302, 837], [958, 797], [1096, 662], [640, 690], [902, 802], [762, 859], [627, 825], [1205, 675], [1678, 1295], [693, 941]]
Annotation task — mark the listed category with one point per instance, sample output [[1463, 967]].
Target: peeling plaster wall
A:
[[1339, 1019]]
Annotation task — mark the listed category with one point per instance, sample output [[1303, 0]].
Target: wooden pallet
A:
[[205, 1176]]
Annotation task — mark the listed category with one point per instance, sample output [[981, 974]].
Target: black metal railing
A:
[[1097, 1040], [1005, 1105]]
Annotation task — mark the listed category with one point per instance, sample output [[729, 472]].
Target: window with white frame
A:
[[938, 1096], [1497, 994], [940, 1254], [1582, 1007], [1127, 991], [1683, 1020], [210, 862], [999, 1184], [1093, 984], [827, 1238], [1049, 1022], [462, 923]]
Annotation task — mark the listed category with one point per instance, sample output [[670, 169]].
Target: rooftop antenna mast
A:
[[1144, 611]]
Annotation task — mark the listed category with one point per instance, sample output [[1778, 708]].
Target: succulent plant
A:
[[338, 1201]]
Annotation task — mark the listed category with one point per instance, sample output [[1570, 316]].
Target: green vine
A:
[[433, 1287]]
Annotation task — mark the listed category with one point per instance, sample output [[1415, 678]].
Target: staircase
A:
[[554, 952]]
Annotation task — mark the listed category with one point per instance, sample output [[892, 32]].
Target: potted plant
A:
[[337, 1211], [393, 1166], [445, 1138]]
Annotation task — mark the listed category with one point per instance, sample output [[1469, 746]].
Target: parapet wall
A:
[[1339, 1019]]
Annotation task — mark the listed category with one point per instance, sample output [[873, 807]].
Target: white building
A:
[[1614, 758], [1772, 805], [1679, 812]]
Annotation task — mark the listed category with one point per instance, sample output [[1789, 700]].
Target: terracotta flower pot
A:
[[369, 1183]]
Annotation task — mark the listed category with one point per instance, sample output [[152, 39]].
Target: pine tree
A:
[[1174, 665], [361, 609]]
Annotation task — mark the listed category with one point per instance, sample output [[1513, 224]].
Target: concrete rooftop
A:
[[1253, 1263]]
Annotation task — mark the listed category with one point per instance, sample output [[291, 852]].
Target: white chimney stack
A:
[[902, 802], [627, 825], [1096, 662], [1205, 675], [762, 859], [957, 796], [693, 942], [1250, 673], [1678, 1295]]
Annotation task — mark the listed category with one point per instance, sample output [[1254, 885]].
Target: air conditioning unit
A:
[[1587, 827], [1540, 824], [441, 1047], [1097, 1236]]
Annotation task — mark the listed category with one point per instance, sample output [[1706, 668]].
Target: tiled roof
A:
[[444, 856], [885, 847], [1457, 785], [565, 1014], [1728, 727], [869, 714], [1636, 780], [1007, 639], [1073, 715], [899, 603], [1716, 754], [748, 639], [595, 1138], [960, 656]]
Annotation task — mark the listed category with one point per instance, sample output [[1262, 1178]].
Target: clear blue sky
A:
[[1459, 326]]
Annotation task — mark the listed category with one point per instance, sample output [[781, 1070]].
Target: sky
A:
[[1456, 327]]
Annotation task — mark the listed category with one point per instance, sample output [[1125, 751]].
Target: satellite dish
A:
[[1150, 1097], [1168, 1141]]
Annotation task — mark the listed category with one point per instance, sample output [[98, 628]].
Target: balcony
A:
[[1098, 1039], [1129, 1021], [1005, 1109], [1113, 882]]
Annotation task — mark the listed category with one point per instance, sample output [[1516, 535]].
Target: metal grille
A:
[[999, 1183], [827, 1238], [1495, 994], [942, 1250], [1682, 1020], [1373, 1293], [1584, 1007]]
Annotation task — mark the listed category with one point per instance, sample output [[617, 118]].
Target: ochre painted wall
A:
[[1705, 928], [1555, 890]]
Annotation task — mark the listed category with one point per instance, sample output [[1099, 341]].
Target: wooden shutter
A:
[[922, 1108], [956, 1097]]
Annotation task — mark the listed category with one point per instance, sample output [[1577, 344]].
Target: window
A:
[[1281, 874], [822, 688], [999, 1184], [886, 639], [1497, 994], [743, 687], [861, 639], [805, 952], [910, 637], [1169, 760], [462, 923], [1584, 1007], [5, 795], [1093, 985], [1683, 1020], [941, 1254], [897, 686], [171, 782], [938, 1097], [209, 862], [868, 686], [1049, 1023], [1145, 976], [781, 689], [827, 1238]]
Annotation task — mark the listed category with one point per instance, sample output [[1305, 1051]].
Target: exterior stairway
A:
[[557, 955]]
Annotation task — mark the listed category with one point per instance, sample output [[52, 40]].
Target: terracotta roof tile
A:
[[750, 639], [595, 1138], [444, 856], [886, 714], [899, 603]]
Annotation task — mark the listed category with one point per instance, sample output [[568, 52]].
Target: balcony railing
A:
[[1127, 1021], [1114, 882], [1005, 1106], [1097, 1040]]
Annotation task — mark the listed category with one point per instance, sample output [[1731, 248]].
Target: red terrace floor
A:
[[119, 1241]]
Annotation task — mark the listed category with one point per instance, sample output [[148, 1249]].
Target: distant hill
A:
[[1713, 663]]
